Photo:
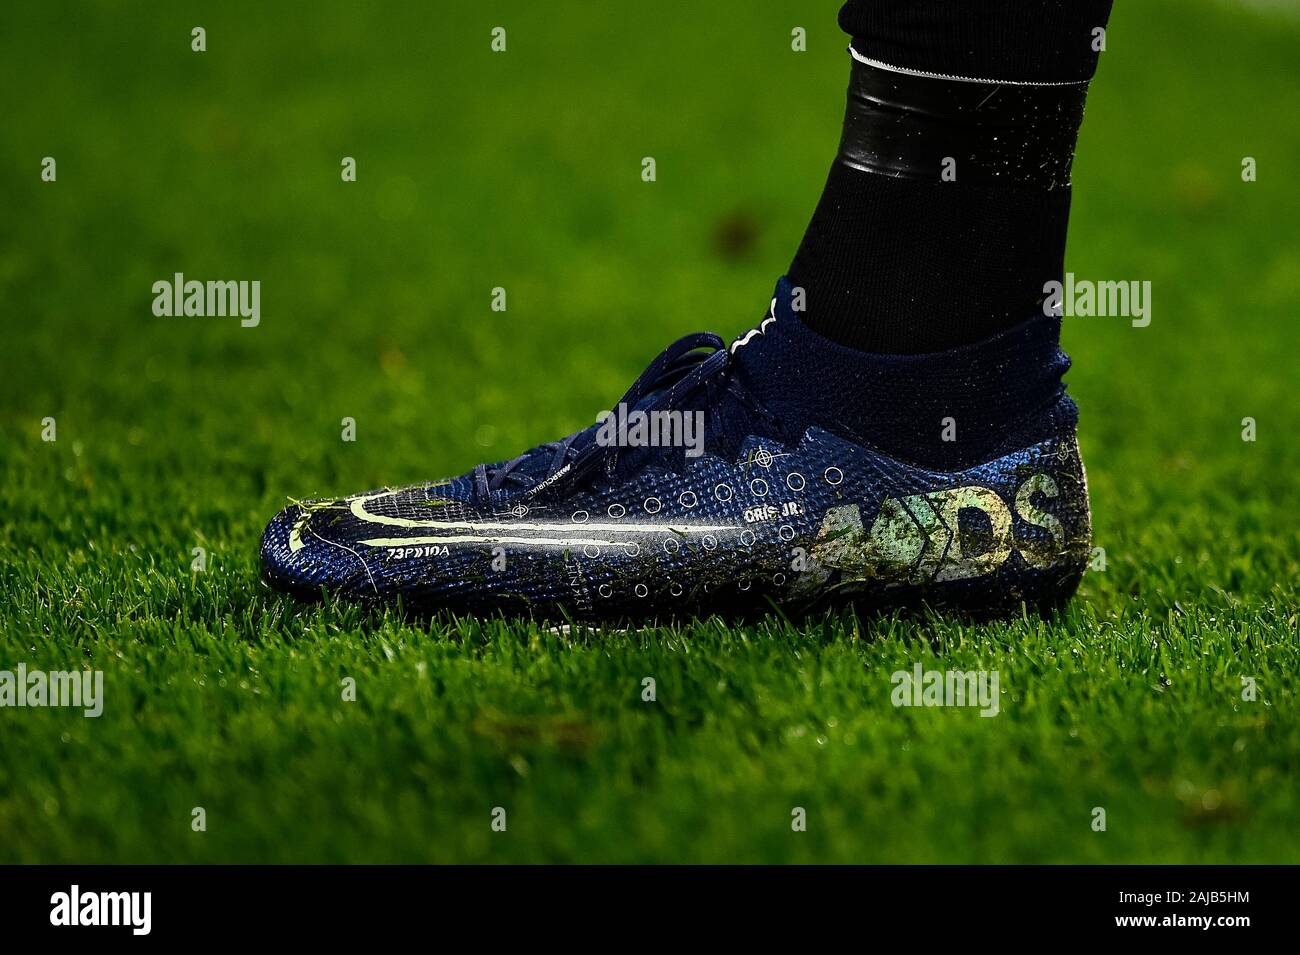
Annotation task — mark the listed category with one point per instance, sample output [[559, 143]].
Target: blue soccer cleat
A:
[[695, 497]]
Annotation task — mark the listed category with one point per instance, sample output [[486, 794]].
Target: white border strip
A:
[[960, 79]]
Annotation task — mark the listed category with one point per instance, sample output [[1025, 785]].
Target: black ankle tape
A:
[[934, 129]]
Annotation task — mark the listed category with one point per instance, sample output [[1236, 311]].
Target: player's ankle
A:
[[944, 410]]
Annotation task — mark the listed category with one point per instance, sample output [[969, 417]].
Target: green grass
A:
[[522, 170]]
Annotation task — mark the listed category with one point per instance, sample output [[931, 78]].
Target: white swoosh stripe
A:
[[359, 511], [493, 539]]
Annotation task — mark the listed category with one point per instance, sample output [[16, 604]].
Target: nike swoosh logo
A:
[[358, 508], [492, 539]]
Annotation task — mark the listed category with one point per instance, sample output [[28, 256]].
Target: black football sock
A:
[[1024, 41], [945, 210]]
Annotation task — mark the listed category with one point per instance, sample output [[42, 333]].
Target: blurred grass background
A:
[[522, 170]]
